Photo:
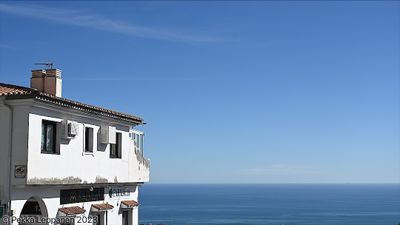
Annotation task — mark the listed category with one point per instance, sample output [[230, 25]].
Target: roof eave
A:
[[91, 109]]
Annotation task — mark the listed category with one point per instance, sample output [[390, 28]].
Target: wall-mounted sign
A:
[[116, 192], [81, 195], [20, 171]]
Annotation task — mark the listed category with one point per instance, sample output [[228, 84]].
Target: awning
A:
[[73, 210], [129, 204], [101, 207]]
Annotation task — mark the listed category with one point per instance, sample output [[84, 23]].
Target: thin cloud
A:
[[81, 18]]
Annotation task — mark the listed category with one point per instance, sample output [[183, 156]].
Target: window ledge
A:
[[50, 153], [88, 153]]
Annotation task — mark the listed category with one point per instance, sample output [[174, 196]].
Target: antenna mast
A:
[[48, 65]]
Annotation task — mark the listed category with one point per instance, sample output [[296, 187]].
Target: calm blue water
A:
[[270, 204]]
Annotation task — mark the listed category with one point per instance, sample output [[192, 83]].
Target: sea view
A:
[[199, 112], [271, 204]]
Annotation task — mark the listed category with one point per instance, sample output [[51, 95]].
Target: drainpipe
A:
[[10, 152]]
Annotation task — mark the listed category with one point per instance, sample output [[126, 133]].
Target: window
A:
[[125, 217], [138, 141], [67, 220], [48, 139], [115, 149], [88, 139], [98, 218], [141, 143]]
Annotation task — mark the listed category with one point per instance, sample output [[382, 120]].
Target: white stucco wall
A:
[[72, 161], [5, 118], [14, 142], [20, 144], [50, 196]]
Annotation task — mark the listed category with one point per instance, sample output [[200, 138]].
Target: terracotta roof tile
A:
[[130, 203], [14, 91], [104, 206], [73, 210], [7, 90]]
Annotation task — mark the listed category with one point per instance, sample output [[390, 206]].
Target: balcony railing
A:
[[142, 160]]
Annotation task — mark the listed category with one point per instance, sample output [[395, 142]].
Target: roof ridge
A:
[[19, 87]]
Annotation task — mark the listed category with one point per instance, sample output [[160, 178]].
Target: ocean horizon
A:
[[270, 204]]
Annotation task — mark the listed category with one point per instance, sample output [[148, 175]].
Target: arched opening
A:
[[35, 211]]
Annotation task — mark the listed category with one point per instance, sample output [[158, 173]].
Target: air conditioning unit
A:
[[71, 129], [108, 135]]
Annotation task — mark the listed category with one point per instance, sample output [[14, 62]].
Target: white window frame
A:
[[57, 136], [94, 139]]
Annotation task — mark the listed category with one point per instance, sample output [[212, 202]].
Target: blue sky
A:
[[233, 92]]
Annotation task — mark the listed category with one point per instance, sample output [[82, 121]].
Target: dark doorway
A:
[[34, 208]]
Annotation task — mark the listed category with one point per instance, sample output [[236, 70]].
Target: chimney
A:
[[47, 81]]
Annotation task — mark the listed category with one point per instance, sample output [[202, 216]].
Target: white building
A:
[[62, 159]]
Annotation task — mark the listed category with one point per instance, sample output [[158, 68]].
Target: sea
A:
[[270, 204]]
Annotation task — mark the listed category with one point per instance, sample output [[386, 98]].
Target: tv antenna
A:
[[48, 65]]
